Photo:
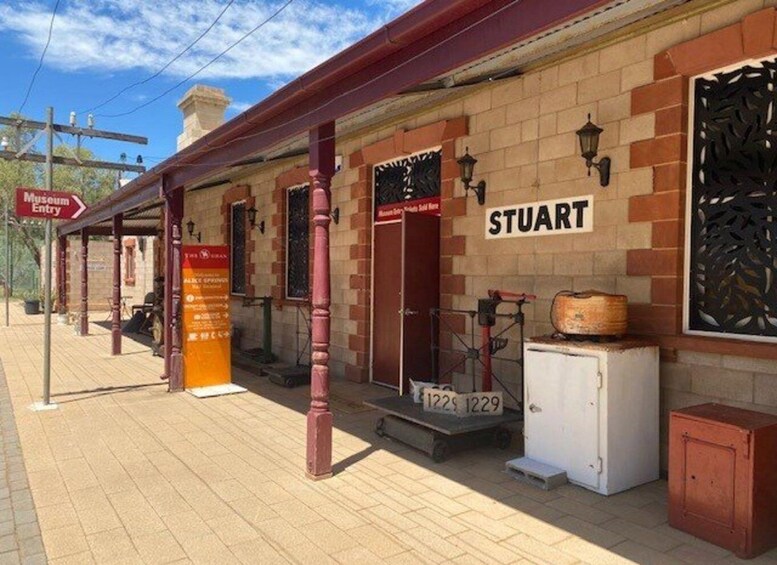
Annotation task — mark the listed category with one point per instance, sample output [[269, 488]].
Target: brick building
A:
[[651, 74]]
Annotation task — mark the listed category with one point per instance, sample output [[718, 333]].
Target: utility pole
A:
[[47, 271], [50, 129]]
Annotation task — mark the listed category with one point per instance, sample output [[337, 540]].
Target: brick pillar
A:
[[84, 318], [319, 439], [173, 235], [116, 296]]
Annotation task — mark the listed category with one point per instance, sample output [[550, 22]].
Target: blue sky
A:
[[99, 47]]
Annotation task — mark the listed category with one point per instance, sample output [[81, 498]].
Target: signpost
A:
[[35, 203], [206, 322]]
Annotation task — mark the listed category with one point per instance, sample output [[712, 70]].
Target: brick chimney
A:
[[203, 110]]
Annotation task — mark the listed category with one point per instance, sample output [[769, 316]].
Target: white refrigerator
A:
[[591, 409]]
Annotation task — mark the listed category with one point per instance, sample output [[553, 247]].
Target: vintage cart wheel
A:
[[380, 427], [288, 382], [503, 438], [440, 450]]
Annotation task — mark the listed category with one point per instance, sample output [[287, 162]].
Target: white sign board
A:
[[463, 405], [549, 217]]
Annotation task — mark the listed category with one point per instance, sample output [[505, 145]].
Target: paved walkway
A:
[[20, 540], [125, 472]]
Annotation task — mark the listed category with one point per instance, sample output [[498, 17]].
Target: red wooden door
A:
[[386, 302], [406, 285], [420, 293]]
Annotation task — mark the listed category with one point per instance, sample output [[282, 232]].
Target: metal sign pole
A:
[[46, 404]]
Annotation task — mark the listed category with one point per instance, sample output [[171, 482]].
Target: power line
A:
[[42, 56], [176, 158], [165, 67], [202, 68]]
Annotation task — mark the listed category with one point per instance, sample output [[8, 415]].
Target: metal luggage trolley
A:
[[438, 435]]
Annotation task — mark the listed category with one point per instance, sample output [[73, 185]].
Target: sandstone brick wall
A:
[[522, 131], [100, 275]]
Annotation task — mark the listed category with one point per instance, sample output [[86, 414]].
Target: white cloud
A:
[[115, 35], [238, 107]]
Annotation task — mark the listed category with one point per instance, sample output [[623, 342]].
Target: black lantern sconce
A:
[[335, 215], [589, 147], [190, 229], [251, 212], [466, 169]]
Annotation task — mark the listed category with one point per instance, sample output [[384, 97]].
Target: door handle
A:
[[408, 312], [534, 408]]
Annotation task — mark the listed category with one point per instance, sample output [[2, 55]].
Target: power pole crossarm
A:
[[74, 130], [57, 160]]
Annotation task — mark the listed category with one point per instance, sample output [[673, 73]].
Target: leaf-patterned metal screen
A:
[[238, 248], [298, 230], [733, 203], [409, 178]]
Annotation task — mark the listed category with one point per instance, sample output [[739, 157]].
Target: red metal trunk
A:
[[319, 439], [116, 297], [84, 319], [173, 351], [723, 476]]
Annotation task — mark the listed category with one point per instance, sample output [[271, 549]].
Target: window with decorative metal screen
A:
[[238, 248], [409, 178], [297, 241], [732, 256]]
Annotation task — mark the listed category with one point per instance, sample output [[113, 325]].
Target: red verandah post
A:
[[84, 319], [116, 296], [319, 438], [173, 240]]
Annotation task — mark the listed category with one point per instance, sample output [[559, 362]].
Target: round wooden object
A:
[[590, 313]]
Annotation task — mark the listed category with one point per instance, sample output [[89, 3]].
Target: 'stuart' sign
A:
[[549, 217]]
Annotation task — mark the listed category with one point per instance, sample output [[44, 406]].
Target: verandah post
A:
[[116, 296], [319, 436], [84, 317], [173, 197]]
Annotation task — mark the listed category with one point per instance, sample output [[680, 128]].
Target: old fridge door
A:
[[562, 421]]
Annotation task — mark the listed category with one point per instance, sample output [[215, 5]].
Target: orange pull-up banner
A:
[[206, 325]]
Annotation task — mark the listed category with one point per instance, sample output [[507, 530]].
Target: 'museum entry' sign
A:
[[549, 217], [206, 325]]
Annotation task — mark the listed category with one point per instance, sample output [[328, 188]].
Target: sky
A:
[[98, 48]]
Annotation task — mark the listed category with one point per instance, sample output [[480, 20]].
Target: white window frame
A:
[[689, 211], [288, 189], [232, 205]]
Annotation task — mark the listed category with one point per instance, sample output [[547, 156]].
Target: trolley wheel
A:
[[440, 450], [380, 427], [288, 382], [503, 438]]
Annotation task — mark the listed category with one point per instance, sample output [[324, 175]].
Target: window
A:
[[129, 262], [731, 253], [238, 248], [297, 240]]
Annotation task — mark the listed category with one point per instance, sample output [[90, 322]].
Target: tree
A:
[[91, 184]]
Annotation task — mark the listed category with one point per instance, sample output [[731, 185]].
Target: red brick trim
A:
[[754, 37], [443, 133], [285, 180], [230, 196]]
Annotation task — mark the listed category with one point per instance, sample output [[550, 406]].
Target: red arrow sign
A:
[[48, 204]]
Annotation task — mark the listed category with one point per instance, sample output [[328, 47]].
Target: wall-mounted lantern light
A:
[[190, 229], [466, 170], [251, 212], [335, 215], [589, 147]]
